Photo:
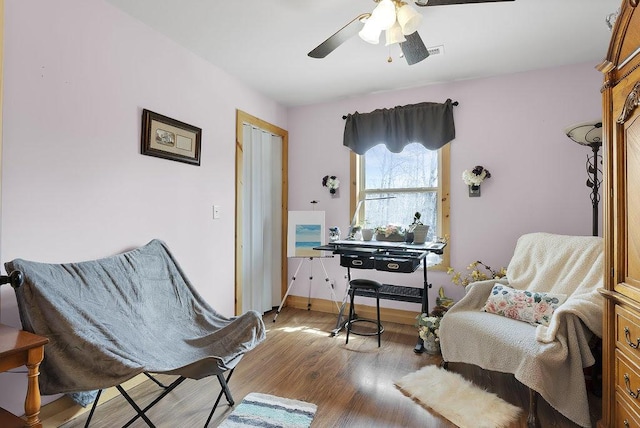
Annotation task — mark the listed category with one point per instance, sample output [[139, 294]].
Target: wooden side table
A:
[[20, 348]]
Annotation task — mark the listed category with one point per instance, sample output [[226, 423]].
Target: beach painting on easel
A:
[[307, 237], [305, 231]]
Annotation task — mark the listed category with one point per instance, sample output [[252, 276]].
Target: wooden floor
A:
[[352, 385]]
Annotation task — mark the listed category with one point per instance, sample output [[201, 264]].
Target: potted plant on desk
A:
[[367, 231], [418, 229], [390, 232]]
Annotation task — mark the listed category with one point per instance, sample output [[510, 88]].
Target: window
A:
[[396, 185]]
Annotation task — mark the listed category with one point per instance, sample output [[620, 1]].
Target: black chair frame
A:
[[141, 413]]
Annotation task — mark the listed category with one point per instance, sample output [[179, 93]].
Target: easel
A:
[[293, 279]]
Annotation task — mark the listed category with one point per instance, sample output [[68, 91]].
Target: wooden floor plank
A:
[[352, 385]]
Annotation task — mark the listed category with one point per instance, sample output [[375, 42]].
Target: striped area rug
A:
[[263, 410]]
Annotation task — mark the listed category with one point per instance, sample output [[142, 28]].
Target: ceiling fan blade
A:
[[424, 3], [340, 36], [414, 49]]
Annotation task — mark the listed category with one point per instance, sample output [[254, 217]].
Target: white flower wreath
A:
[[332, 182], [476, 176]]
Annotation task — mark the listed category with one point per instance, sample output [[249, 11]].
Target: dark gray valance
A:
[[430, 124]]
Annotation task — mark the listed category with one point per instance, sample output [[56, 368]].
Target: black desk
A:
[[389, 257]]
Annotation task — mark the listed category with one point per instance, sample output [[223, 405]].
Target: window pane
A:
[[414, 167], [401, 209]]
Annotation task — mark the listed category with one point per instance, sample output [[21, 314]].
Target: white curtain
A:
[[262, 219]]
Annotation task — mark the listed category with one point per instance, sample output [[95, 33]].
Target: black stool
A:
[[369, 285]]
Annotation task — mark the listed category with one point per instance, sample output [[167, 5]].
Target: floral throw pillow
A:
[[529, 306]]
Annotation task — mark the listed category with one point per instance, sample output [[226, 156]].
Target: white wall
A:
[[77, 74], [513, 125]]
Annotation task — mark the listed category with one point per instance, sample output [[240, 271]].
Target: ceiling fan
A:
[[397, 19]]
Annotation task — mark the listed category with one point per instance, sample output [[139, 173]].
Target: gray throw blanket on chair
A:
[[111, 319]]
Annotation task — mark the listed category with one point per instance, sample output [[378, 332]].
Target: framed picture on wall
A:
[[305, 231], [167, 138]]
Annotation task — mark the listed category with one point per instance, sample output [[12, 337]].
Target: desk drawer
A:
[[627, 377], [356, 261], [628, 332], [405, 265], [626, 416]]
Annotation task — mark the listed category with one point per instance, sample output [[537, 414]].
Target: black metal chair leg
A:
[[141, 413], [224, 390], [378, 308], [135, 406], [168, 389], [93, 409], [156, 381], [351, 314], [368, 288]]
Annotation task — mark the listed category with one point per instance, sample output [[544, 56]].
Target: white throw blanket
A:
[[550, 360]]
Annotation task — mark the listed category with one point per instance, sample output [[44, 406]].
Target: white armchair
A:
[[549, 359]]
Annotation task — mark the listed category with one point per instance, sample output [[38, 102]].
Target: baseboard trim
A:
[[364, 311]]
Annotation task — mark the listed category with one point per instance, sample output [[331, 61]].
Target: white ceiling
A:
[[264, 43]]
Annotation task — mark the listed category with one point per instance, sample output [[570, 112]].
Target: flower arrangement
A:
[[475, 274], [388, 230], [428, 326], [332, 182], [476, 176]]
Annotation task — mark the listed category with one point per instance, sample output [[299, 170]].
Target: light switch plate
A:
[[216, 211]]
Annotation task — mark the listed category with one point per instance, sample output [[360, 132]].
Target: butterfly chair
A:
[[111, 319], [538, 323]]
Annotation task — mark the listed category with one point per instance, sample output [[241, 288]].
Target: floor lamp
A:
[[590, 134]]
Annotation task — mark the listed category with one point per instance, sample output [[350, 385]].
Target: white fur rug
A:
[[458, 400]]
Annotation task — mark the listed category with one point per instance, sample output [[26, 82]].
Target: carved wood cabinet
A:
[[621, 196]]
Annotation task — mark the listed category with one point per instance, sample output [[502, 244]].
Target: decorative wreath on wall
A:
[[332, 182], [476, 176]]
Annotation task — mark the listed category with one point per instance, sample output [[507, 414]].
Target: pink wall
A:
[[74, 186], [77, 75], [513, 125]]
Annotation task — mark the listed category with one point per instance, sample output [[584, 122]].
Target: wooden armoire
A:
[[621, 197]]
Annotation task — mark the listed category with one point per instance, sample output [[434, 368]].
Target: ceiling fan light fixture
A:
[[384, 14], [370, 32], [409, 19], [394, 34]]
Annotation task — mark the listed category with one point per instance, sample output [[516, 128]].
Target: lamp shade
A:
[[394, 34], [370, 32], [586, 133], [384, 14], [409, 19]]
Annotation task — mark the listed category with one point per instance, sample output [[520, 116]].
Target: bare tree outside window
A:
[[410, 179]]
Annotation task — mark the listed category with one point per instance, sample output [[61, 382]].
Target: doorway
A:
[[261, 213]]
